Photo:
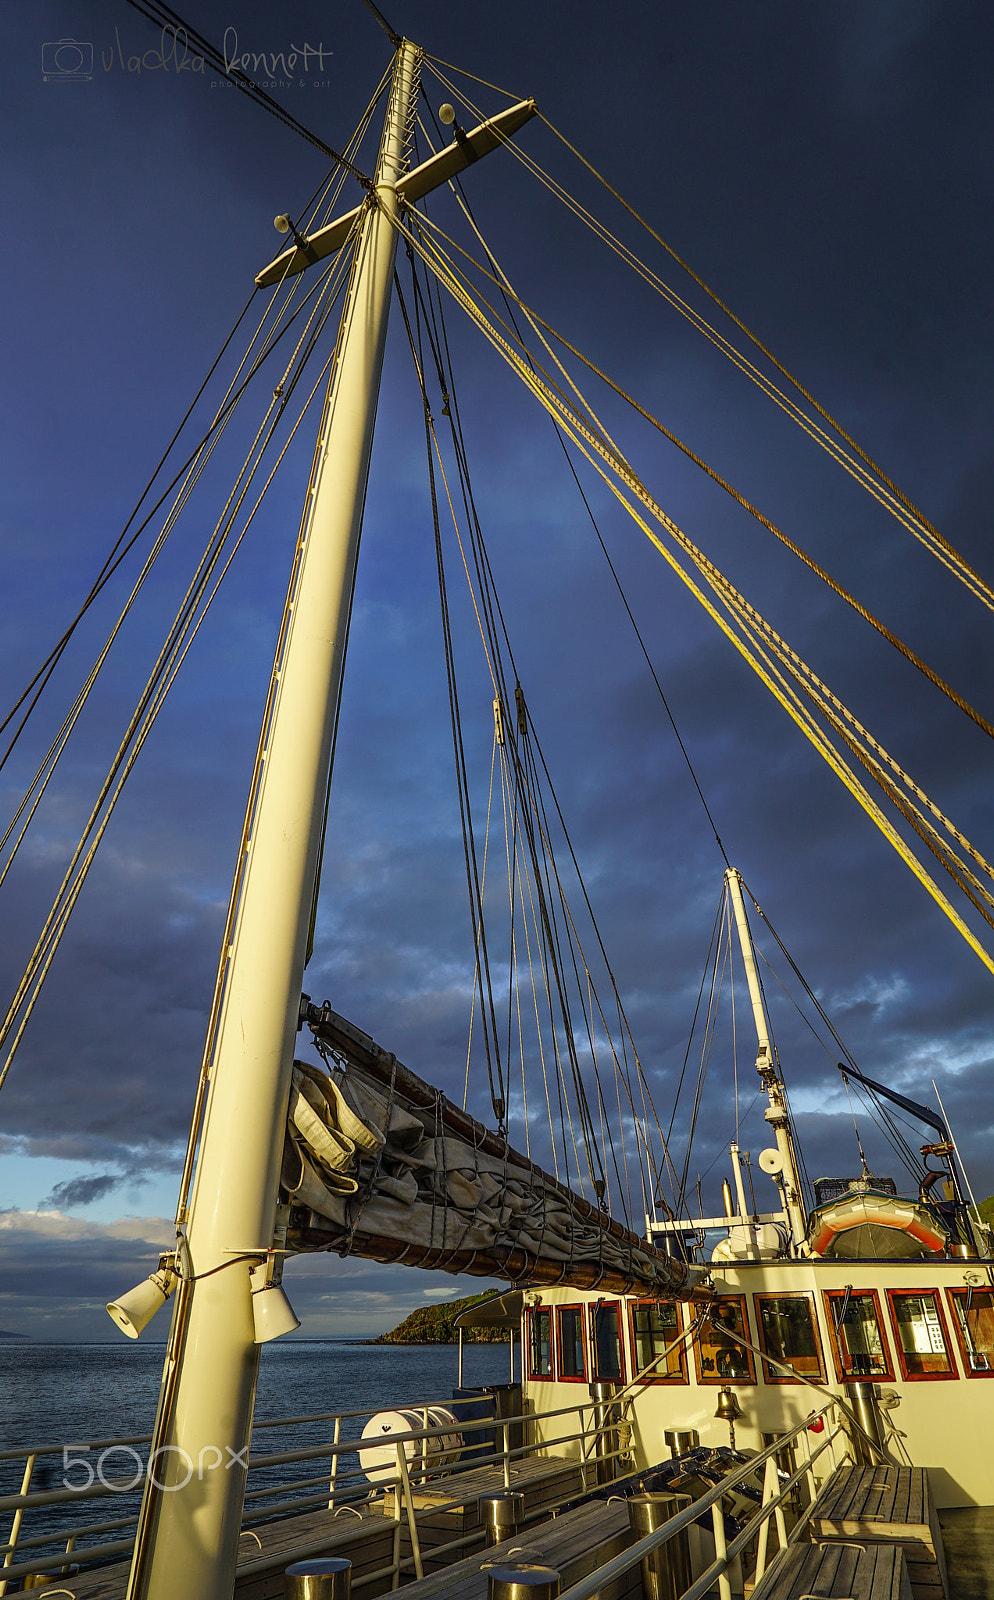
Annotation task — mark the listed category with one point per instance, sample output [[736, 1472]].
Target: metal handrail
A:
[[28, 1499], [19, 1452], [588, 1588]]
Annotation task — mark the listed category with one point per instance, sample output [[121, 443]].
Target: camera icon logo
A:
[[64, 60]]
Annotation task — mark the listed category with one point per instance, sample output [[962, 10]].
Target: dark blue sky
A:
[[827, 169]]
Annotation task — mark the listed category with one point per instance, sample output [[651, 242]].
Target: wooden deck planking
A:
[[368, 1544], [968, 1533], [886, 1504], [367, 1539], [574, 1544], [838, 1571]]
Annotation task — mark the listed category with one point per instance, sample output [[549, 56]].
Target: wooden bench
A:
[[886, 1505], [575, 1544], [839, 1571], [544, 1482]]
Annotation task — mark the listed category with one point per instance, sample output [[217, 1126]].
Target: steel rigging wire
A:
[[557, 948], [185, 626], [625, 1030]]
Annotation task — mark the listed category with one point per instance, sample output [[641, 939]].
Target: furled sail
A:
[[380, 1164]]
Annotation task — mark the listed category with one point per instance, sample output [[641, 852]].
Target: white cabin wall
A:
[[948, 1420]]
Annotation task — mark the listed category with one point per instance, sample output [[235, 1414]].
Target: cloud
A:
[[55, 1225], [832, 138], [77, 1192]]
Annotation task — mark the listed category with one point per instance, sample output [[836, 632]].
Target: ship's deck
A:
[[365, 1534], [968, 1537]]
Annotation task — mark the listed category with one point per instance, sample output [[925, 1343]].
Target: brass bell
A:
[[728, 1406]]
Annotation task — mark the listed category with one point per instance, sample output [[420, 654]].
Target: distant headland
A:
[[434, 1325]]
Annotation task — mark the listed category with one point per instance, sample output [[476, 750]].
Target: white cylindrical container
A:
[[442, 1446]]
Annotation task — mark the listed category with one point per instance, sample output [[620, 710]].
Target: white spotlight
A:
[[447, 114], [272, 1313], [135, 1310], [282, 223]]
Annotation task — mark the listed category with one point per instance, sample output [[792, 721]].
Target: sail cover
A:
[[379, 1164]]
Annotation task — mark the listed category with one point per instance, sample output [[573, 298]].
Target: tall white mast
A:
[[191, 1515], [776, 1115], [188, 1535]]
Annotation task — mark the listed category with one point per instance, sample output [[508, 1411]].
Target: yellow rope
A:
[[591, 446], [881, 487], [963, 569], [539, 323]]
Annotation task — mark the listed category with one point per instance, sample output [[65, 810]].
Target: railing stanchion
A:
[[334, 1465], [720, 1549], [763, 1536], [409, 1502], [398, 1523], [15, 1526], [812, 1486]]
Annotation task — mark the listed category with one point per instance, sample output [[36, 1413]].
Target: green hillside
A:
[[433, 1325]]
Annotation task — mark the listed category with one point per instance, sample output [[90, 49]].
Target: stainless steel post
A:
[[522, 1583], [607, 1415], [502, 1514], [666, 1573], [679, 1441], [863, 1397], [327, 1579]]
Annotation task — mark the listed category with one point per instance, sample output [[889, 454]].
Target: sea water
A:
[[84, 1395], [53, 1393]]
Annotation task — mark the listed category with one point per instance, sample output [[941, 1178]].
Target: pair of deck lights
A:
[[272, 1313]]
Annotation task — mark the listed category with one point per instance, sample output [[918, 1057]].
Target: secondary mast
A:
[[788, 1179]]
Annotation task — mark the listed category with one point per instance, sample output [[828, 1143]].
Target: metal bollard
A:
[[502, 1514], [606, 1416], [666, 1572], [514, 1582], [680, 1441], [329, 1578]]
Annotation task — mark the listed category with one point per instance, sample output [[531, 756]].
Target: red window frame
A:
[[773, 1374], [961, 1294], [534, 1312], [597, 1377], [887, 1375], [657, 1376], [922, 1377], [721, 1380], [571, 1377]]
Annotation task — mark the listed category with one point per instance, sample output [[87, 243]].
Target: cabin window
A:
[[605, 1321], [656, 1325], [788, 1332], [540, 1342], [855, 1327], [973, 1319], [720, 1351], [572, 1362], [922, 1340]]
